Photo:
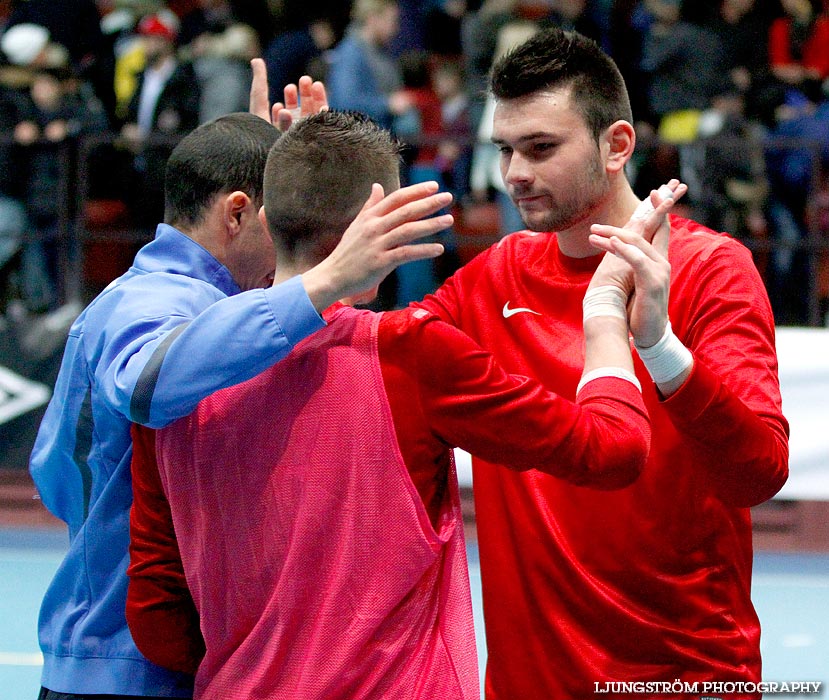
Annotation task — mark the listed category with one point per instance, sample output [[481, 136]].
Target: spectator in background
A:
[[625, 46], [683, 62], [362, 75], [454, 156], [797, 160], [220, 46], [298, 52], [443, 20], [479, 38], [12, 213], [75, 25], [165, 106], [732, 177], [485, 176], [574, 15], [420, 127], [799, 48], [743, 30], [44, 110], [54, 113]]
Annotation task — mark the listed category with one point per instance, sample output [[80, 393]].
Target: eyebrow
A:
[[526, 138]]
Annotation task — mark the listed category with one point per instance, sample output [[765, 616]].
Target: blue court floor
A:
[[791, 594]]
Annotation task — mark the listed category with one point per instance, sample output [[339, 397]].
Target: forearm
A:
[[160, 611], [469, 401], [606, 344], [158, 372], [749, 451]]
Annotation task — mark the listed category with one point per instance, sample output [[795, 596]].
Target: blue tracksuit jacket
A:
[[170, 331]]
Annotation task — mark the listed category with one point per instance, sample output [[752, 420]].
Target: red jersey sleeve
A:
[[458, 393], [730, 405], [161, 614]]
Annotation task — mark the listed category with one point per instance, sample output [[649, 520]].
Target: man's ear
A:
[[234, 207], [263, 220], [620, 140]]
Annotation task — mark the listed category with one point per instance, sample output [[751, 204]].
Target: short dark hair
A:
[[319, 175], [221, 156], [553, 59]]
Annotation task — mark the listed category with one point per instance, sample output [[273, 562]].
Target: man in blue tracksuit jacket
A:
[[192, 315]]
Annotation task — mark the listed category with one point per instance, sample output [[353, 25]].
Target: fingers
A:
[[402, 217], [282, 117], [629, 252], [611, 239], [376, 195], [409, 220], [301, 100], [319, 96], [638, 226], [404, 234], [405, 195], [306, 97], [291, 95], [673, 189], [258, 104], [409, 253]]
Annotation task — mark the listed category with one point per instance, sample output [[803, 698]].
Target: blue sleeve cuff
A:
[[293, 310]]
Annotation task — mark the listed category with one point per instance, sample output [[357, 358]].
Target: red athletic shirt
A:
[[444, 391], [650, 582]]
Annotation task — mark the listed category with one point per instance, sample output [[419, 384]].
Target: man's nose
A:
[[516, 169]]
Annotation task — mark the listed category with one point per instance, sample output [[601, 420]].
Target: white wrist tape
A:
[[645, 207], [618, 372], [605, 301], [667, 359]]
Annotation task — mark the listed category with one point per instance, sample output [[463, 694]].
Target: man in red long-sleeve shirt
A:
[[650, 583], [279, 489]]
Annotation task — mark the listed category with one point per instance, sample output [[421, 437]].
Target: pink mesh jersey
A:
[[308, 551]]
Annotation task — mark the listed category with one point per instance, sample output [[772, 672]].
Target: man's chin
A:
[[535, 221]]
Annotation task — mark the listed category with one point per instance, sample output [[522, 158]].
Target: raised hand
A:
[[300, 100], [379, 239], [638, 267]]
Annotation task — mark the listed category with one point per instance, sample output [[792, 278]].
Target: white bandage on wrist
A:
[[605, 301], [667, 359], [618, 372]]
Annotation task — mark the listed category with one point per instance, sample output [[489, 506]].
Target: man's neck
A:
[[285, 272]]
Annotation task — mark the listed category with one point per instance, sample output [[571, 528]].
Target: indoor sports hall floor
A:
[[791, 593]]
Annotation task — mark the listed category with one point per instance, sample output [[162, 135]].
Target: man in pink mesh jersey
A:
[[322, 539]]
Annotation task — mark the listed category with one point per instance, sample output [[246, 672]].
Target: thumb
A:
[[376, 196]]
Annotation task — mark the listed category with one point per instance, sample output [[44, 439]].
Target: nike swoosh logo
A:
[[511, 312]]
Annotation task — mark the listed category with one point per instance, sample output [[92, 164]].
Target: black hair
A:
[[553, 59], [221, 156]]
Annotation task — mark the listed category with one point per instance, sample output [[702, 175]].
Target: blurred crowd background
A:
[[731, 95]]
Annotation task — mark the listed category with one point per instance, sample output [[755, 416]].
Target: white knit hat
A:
[[22, 43]]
